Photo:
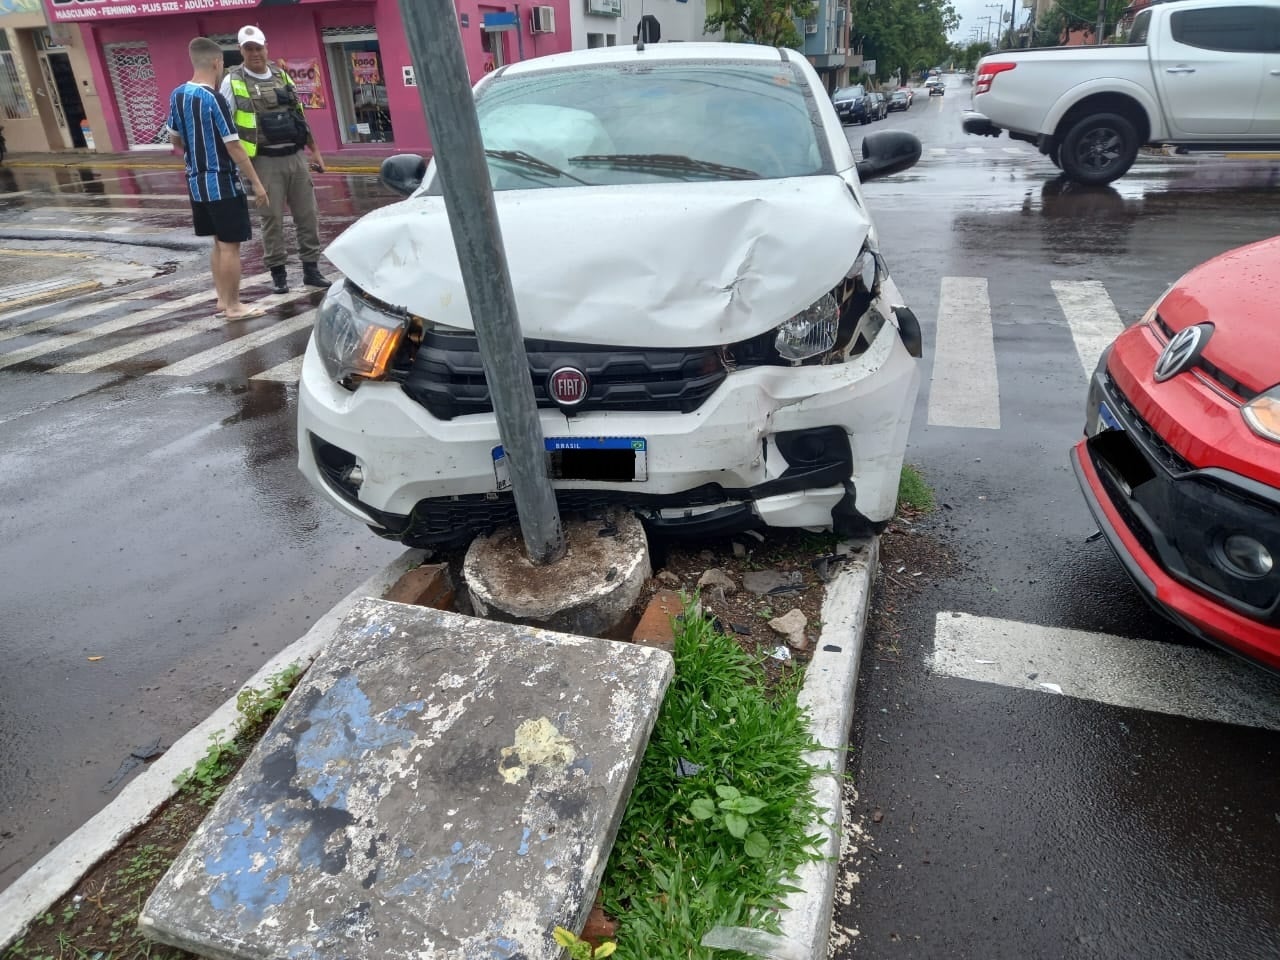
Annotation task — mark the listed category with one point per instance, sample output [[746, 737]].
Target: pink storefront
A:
[[349, 58]]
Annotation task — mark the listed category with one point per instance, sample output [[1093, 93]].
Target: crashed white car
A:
[[713, 338]]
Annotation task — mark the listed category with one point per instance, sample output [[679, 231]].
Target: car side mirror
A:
[[889, 152], [403, 173]]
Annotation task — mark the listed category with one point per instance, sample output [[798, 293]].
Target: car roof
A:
[[628, 53]]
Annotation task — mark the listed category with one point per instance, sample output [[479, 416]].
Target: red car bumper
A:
[[1167, 515], [1192, 611]]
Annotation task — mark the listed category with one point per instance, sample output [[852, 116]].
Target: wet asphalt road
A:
[[156, 522], [993, 822]]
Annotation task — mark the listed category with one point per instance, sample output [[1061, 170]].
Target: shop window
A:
[[14, 104], [610, 39], [359, 85], [595, 40]]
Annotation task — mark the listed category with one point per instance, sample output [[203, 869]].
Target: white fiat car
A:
[[713, 339]]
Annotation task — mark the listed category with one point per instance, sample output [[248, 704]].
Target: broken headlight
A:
[[355, 339], [810, 332]]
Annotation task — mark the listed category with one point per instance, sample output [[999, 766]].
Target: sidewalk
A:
[[341, 162]]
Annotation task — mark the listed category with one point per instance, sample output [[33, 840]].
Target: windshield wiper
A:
[[666, 161], [533, 163]]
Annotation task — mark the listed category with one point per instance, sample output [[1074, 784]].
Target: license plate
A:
[[610, 459], [1106, 419]]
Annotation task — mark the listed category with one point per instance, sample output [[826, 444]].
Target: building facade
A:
[[349, 60], [48, 100], [826, 42], [608, 23]]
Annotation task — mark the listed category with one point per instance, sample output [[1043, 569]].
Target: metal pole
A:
[[1102, 21], [435, 46], [1013, 19]]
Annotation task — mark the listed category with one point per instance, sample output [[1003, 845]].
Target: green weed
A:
[[691, 851], [914, 492]]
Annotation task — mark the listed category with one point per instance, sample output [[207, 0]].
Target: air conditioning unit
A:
[[543, 20], [810, 28]]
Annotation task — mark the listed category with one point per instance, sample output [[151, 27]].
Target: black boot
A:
[[312, 276], [279, 280]]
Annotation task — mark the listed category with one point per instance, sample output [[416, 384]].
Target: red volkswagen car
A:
[[1181, 458]]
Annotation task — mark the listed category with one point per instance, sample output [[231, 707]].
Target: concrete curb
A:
[[57, 873], [184, 243], [829, 686]]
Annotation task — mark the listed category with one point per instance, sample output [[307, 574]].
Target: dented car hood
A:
[[667, 264]]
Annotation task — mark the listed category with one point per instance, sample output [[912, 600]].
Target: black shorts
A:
[[228, 220]]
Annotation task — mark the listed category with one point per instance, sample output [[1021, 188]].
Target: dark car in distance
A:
[[877, 106], [851, 104], [898, 100]]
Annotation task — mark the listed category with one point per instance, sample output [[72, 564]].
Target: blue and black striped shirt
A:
[[201, 118]]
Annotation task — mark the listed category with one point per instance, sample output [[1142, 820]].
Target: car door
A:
[[1266, 121], [1209, 63]]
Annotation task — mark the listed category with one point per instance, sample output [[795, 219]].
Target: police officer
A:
[[269, 119]]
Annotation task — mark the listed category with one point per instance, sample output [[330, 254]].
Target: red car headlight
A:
[[1262, 413]]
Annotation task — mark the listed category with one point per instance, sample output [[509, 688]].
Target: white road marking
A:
[[199, 362], [938, 151], [1016, 151], [1143, 675], [84, 309], [288, 372], [964, 391], [62, 341], [975, 150], [162, 338], [1092, 316]]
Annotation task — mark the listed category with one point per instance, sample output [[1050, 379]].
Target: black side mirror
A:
[[403, 173], [889, 152]]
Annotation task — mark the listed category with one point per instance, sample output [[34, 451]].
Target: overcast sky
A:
[[973, 13]]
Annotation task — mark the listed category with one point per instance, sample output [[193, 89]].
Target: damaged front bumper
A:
[[771, 446]]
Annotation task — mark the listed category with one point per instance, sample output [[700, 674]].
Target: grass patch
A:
[[914, 492], [99, 919], [716, 847]]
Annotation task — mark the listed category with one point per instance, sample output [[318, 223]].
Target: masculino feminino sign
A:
[[65, 10]]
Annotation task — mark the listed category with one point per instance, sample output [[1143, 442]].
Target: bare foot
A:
[[242, 312]]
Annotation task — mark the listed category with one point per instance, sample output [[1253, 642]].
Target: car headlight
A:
[[810, 332], [354, 339], [1262, 413]]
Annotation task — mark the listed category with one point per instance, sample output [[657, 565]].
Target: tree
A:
[[770, 22], [1053, 28], [901, 35]]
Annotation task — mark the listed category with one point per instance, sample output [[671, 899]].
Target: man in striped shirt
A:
[[200, 125]]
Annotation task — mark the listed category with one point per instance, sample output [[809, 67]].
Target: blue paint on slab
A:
[[437, 877], [524, 843], [344, 729], [238, 882]]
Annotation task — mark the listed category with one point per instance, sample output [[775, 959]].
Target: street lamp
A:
[[999, 8]]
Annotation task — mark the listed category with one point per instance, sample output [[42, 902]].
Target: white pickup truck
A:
[[1199, 74]]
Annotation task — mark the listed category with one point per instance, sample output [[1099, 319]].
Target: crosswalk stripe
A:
[[974, 150], [1145, 675], [1092, 316], [288, 372], [1016, 151], [84, 309], [938, 151], [199, 362], [62, 341], [964, 391], [163, 338]]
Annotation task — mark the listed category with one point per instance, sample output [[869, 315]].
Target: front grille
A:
[[447, 377], [1210, 369], [1168, 457]]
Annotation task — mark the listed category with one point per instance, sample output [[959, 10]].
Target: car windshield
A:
[[899, 95], [629, 123], [850, 93]]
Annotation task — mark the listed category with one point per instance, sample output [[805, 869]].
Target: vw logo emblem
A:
[[568, 386], [1182, 351]]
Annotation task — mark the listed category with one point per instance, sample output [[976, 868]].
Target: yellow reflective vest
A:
[[245, 115]]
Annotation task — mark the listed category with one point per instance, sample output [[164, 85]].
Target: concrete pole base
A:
[[589, 592]]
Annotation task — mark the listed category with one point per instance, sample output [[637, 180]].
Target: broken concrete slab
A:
[[589, 591], [437, 786]]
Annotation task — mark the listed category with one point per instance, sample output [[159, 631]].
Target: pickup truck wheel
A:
[[1053, 155], [1099, 148]]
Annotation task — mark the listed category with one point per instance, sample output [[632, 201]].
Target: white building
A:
[[607, 23]]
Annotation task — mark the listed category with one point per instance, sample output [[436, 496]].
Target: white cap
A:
[[251, 35]]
